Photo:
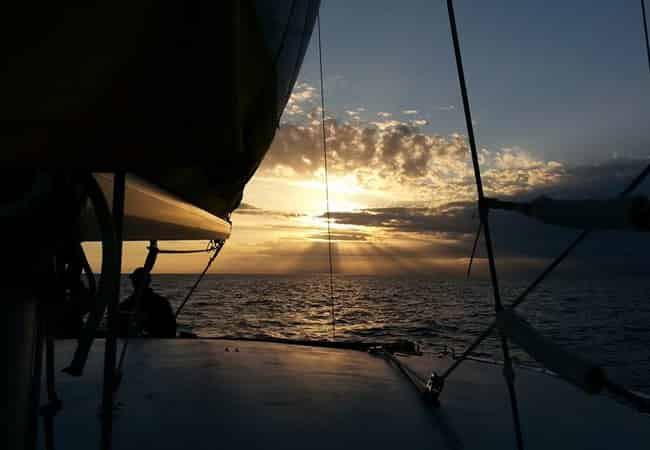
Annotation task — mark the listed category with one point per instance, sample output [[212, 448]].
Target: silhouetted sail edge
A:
[[272, 42], [187, 96]]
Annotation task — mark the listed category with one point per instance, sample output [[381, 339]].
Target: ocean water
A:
[[605, 320]]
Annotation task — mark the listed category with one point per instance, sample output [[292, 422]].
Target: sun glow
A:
[[307, 196]]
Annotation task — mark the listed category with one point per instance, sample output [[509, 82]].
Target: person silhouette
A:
[[155, 316]]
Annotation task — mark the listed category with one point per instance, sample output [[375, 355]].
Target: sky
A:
[[559, 93]]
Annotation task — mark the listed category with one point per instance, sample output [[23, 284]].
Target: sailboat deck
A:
[[207, 394]]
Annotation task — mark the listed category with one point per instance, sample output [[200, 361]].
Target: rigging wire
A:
[[471, 257], [327, 193], [217, 248], [483, 213], [556, 262], [186, 252], [645, 31]]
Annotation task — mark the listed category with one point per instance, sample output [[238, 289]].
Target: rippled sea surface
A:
[[606, 320]]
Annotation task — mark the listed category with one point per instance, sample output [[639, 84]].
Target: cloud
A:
[[447, 231], [302, 92], [451, 218], [427, 181], [396, 156], [248, 209], [339, 236], [303, 98]]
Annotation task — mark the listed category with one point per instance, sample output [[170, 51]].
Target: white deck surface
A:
[[193, 394]]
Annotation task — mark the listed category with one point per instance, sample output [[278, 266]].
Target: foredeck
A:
[[208, 394]]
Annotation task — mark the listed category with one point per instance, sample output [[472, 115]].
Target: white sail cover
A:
[[152, 213]]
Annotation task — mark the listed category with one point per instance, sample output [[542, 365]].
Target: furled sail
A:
[[185, 95], [150, 212], [627, 214]]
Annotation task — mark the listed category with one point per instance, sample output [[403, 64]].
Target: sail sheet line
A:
[[471, 257], [217, 249]]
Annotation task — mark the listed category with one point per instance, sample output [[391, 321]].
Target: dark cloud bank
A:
[[520, 238]]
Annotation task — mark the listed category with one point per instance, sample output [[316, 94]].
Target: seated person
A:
[[156, 317]]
